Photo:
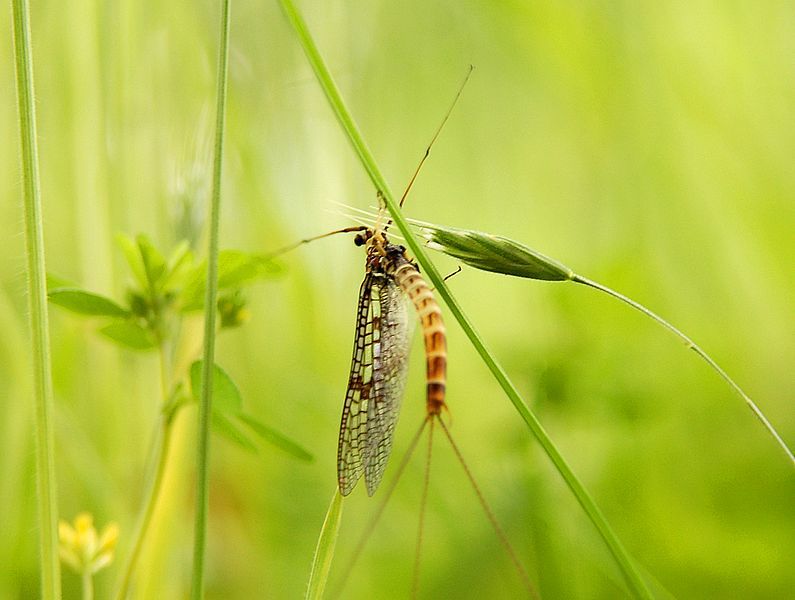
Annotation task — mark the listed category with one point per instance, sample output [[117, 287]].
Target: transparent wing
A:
[[375, 384], [390, 364]]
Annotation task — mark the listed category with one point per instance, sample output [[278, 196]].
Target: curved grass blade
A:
[[502, 255], [632, 577], [324, 552]]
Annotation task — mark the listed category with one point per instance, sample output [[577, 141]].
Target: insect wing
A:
[[375, 383], [390, 328]]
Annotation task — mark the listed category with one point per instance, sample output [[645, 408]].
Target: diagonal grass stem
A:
[[631, 575]]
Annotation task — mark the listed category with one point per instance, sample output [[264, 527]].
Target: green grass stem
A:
[[37, 305], [633, 578], [211, 293]]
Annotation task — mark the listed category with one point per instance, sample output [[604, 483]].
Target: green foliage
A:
[[228, 415], [164, 289], [85, 303], [644, 142]]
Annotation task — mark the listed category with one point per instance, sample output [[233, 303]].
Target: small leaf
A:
[[494, 253], [153, 261], [129, 334], [133, 256], [226, 396], [231, 431], [281, 441], [85, 303], [235, 269], [54, 281], [324, 552], [178, 264]]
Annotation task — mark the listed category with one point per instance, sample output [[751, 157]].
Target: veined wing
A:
[[375, 383]]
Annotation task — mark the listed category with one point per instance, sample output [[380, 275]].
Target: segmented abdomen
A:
[[433, 331]]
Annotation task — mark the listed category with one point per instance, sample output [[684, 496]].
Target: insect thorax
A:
[[382, 256]]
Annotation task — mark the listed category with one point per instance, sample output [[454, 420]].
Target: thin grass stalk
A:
[[211, 294], [697, 349], [37, 307], [631, 575]]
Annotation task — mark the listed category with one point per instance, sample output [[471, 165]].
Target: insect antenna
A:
[[490, 514], [433, 139], [436, 135], [295, 245]]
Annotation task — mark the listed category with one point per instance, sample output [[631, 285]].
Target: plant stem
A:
[[37, 307], [205, 407], [153, 492], [693, 346], [152, 496], [633, 579], [88, 585]]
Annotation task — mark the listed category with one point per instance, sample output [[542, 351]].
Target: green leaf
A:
[[130, 335], [281, 441], [178, 264], [494, 253], [55, 281], [133, 256], [324, 552], [85, 303], [153, 261], [235, 269], [226, 396], [227, 428]]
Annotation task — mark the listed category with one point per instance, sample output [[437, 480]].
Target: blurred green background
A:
[[647, 145]]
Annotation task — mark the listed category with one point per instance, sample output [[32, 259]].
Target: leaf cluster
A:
[[163, 289]]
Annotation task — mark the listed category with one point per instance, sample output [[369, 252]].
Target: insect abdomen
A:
[[433, 332]]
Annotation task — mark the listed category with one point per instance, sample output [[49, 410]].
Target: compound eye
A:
[[359, 240]]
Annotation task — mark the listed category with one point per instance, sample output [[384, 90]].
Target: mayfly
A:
[[379, 366], [379, 362], [381, 346]]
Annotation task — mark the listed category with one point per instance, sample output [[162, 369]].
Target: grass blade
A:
[[205, 405], [324, 552], [37, 302], [625, 563]]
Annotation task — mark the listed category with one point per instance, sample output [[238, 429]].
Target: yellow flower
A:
[[82, 549]]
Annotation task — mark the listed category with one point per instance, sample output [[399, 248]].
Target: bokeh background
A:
[[647, 145]]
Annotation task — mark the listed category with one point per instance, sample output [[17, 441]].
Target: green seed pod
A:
[[494, 253]]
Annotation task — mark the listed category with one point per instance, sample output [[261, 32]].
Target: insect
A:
[[379, 367], [379, 361]]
